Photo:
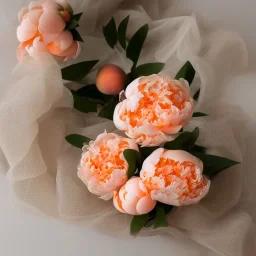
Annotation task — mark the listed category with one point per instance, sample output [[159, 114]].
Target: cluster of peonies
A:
[[154, 110], [44, 28]]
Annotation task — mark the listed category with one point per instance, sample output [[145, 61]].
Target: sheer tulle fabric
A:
[[36, 114]]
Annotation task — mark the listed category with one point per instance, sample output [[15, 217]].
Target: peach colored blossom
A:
[[174, 177], [42, 27], [155, 108], [133, 198], [103, 167]]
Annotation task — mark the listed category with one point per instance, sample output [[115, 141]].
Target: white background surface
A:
[[22, 235]]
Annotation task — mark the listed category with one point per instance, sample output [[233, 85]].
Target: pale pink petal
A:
[[22, 13], [35, 5], [117, 202], [145, 205], [171, 129], [48, 38], [51, 23], [34, 16], [132, 187], [72, 52], [120, 107], [182, 156], [130, 207], [51, 6], [21, 53], [132, 87], [26, 31], [38, 46], [61, 43]]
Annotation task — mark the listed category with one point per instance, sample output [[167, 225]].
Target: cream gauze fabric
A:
[[36, 114]]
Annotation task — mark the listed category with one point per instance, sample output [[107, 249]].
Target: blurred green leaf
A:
[[213, 164], [110, 33], [199, 149], [136, 43], [77, 140], [184, 141], [122, 31], [133, 158], [76, 35], [199, 114], [77, 16], [196, 96], [108, 110], [138, 222], [79, 71], [160, 218], [146, 151], [72, 24], [148, 69], [83, 104], [187, 72]]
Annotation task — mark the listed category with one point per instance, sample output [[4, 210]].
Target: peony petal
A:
[[132, 87], [182, 156], [61, 43], [48, 38], [145, 205], [34, 16], [171, 129], [117, 202], [120, 107], [21, 53], [51, 23], [72, 52], [132, 187], [130, 207], [53, 6], [35, 5], [26, 31], [22, 14]]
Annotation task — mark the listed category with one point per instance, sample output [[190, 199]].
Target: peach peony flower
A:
[[103, 167], [174, 177], [155, 107], [133, 198], [42, 27]]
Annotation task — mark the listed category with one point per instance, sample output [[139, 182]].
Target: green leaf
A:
[[110, 33], [184, 141], [136, 43], [148, 69], [77, 16], [108, 110], [187, 72], [72, 24], [77, 140], [146, 151], [122, 31], [83, 104], [199, 149], [199, 114], [133, 158], [214, 164], [160, 218], [196, 96], [76, 35], [79, 71], [92, 92], [138, 222]]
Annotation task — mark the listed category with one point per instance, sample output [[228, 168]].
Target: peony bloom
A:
[[155, 107], [174, 177], [134, 198], [42, 29], [103, 167]]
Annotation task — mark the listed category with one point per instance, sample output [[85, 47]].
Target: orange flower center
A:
[[169, 170], [156, 103], [103, 163]]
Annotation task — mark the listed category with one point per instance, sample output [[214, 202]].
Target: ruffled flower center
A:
[[105, 158], [158, 100], [169, 172]]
